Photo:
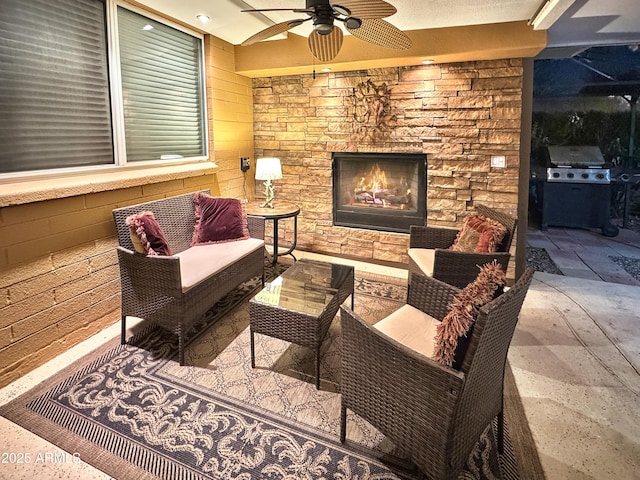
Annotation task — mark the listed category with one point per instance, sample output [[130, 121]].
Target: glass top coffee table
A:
[[300, 305]]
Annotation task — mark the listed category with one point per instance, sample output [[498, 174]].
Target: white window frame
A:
[[117, 111], [117, 115]]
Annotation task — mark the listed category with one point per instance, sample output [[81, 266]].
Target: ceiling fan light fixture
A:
[[352, 23], [340, 10], [323, 28]]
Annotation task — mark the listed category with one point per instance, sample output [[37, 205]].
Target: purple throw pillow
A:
[[147, 235], [218, 220]]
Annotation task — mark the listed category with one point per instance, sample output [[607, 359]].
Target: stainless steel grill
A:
[[577, 164], [577, 192]]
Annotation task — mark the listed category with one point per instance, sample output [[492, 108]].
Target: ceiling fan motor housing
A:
[[323, 24], [322, 16]]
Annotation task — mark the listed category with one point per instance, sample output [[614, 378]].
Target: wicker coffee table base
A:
[[295, 326]]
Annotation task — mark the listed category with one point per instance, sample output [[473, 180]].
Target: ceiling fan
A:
[[362, 18]]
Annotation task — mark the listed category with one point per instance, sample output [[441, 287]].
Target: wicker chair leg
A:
[[343, 423], [501, 432], [253, 349], [181, 349], [123, 331], [318, 367]]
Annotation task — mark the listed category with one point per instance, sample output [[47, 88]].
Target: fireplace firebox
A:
[[379, 191]]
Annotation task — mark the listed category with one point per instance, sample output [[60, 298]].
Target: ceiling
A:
[[572, 25]]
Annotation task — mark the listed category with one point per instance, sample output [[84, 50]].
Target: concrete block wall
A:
[[458, 114], [230, 118], [59, 280]]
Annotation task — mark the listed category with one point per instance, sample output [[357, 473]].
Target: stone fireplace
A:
[[454, 116], [379, 191]]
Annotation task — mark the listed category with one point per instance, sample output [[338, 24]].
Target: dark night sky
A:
[[565, 77]]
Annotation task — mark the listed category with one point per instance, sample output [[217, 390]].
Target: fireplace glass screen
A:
[[379, 191]]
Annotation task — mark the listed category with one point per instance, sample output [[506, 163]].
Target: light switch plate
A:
[[498, 161]]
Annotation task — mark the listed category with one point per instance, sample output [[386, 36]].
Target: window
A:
[[54, 88], [162, 91], [66, 103]]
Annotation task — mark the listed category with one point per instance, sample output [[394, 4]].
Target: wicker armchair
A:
[[152, 286], [432, 413], [429, 252]]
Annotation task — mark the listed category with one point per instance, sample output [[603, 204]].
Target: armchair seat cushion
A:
[[411, 328], [424, 258], [202, 261]]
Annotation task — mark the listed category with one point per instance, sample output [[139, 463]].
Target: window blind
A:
[[162, 89], [54, 85]]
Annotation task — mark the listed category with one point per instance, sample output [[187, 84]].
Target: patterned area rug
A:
[[132, 411]]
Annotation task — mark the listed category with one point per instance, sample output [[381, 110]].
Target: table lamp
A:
[[268, 169]]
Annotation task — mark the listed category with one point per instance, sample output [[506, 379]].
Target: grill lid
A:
[[575, 156]]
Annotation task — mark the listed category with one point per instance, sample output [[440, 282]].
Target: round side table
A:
[[280, 210]]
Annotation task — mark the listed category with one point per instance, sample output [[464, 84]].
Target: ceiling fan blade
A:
[[270, 32], [326, 47], [368, 8], [294, 10], [382, 33]]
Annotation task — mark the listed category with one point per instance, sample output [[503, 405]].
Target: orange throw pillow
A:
[[479, 234], [452, 334]]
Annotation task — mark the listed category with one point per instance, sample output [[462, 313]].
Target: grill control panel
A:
[[578, 175]]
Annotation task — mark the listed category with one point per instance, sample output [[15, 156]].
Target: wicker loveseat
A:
[[433, 413], [175, 291], [429, 250]]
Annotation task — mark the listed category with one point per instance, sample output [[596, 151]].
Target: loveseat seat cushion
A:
[[424, 258], [412, 328], [202, 261]]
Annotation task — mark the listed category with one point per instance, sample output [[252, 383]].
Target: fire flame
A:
[[378, 179], [374, 189]]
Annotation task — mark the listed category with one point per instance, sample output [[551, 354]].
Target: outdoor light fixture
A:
[[268, 169]]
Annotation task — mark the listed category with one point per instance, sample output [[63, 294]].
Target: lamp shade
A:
[[268, 168]]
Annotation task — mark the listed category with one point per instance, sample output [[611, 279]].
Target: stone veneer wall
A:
[[458, 114]]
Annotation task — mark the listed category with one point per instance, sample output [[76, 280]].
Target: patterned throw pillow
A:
[[147, 235], [479, 234], [453, 333], [218, 220]]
